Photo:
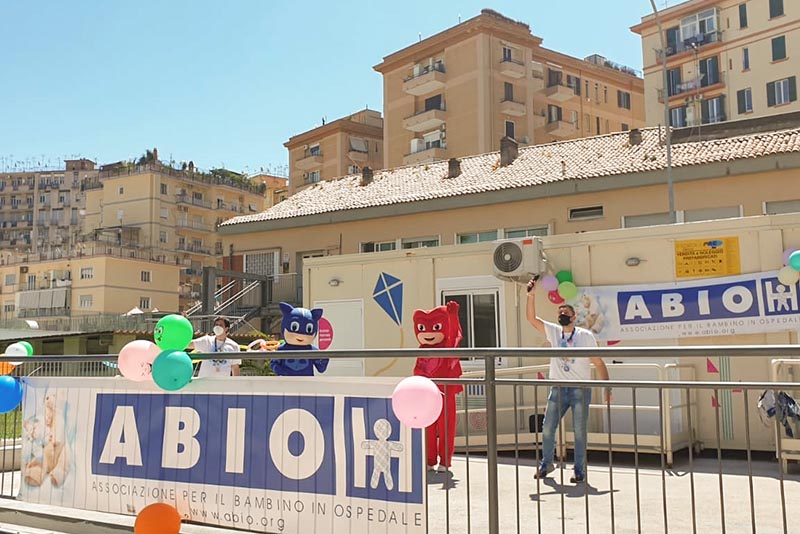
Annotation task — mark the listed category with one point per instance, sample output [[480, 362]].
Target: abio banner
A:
[[261, 454]]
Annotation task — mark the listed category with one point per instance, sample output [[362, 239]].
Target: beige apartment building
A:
[[458, 92], [726, 59], [276, 187], [40, 210], [338, 148]]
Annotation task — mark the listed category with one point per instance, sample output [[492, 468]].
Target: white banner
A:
[[306, 455], [745, 304]]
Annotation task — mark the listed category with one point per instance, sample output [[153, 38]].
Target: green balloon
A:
[[172, 369], [794, 260], [27, 346], [564, 276], [567, 290], [173, 332]]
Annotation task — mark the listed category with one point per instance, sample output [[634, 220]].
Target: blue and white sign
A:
[[745, 304], [311, 455]]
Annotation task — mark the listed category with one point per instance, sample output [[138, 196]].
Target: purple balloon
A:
[[550, 282], [417, 402], [786, 254]]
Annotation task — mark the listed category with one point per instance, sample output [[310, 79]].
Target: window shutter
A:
[[559, 113], [771, 94], [740, 96], [743, 15], [792, 88], [778, 48]]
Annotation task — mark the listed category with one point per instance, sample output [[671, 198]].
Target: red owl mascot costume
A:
[[440, 328]]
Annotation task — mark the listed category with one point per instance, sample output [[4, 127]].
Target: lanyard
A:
[[567, 342]]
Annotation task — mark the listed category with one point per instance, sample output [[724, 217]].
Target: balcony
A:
[[512, 68], [186, 199], [425, 155], [425, 120], [193, 225], [427, 80], [561, 129], [358, 155], [309, 160], [695, 86], [560, 93], [509, 107], [194, 249], [698, 41]]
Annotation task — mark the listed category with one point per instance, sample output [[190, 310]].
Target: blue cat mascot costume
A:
[[299, 328]]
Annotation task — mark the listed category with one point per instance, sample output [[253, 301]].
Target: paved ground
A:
[[554, 506]]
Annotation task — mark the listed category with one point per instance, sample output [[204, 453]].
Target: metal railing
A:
[[488, 489]]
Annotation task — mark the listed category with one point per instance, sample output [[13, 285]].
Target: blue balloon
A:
[[172, 369], [10, 394]]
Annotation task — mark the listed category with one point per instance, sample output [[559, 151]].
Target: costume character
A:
[[299, 328], [440, 328]]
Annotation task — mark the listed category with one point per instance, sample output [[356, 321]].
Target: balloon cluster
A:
[[789, 274], [560, 287], [10, 387], [164, 362]]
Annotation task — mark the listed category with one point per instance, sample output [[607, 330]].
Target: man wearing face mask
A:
[[566, 335], [217, 342]]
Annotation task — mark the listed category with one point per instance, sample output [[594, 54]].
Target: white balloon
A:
[[15, 349], [786, 276]]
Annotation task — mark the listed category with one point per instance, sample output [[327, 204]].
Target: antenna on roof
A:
[[459, 18], [420, 37]]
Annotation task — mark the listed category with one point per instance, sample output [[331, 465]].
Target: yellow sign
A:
[[716, 256]]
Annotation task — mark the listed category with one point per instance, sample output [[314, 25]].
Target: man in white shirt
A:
[[565, 335], [217, 342]]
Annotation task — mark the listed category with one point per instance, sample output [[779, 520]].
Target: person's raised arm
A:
[[530, 309]]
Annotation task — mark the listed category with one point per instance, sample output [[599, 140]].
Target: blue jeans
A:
[[560, 399]]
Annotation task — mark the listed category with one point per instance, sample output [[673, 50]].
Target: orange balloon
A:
[[158, 518], [6, 368]]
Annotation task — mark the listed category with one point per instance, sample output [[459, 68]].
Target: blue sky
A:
[[227, 83]]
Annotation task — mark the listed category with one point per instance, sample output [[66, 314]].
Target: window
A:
[[506, 53], [573, 118], [265, 263], [743, 15], [597, 123], [144, 303], [510, 129], [553, 113], [779, 48], [9, 307], [164, 213], [434, 102], [710, 214], [163, 189], [782, 206], [162, 237], [597, 92], [87, 273], [744, 98], [479, 314], [85, 301], [624, 127], [121, 190], [476, 237], [574, 83], [673, 81], [508, 91], [534, 231], [381, 246], [782, 91], [42, 199], [605, 94], [698, 26], [775, 8], [31, 282], [432, 140], [351, 169], [554, 77], [649, 219], [709, 71], [745, 58], [357, 144], [146, 276], [420, 242], [581, 214], [312, 177], [587, 88], [313, 150], [712, 110], [677, 117], [624, 99], [11, 279]]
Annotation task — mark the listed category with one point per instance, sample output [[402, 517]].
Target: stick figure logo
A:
[[382, 453]]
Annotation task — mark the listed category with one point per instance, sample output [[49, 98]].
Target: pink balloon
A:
[[136, 360], [554, 297], [550, 282], [786, 254], [417, 402]]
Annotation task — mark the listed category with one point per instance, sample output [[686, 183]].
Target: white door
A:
[[347, 321]]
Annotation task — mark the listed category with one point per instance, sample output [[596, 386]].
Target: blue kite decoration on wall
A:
[[388, 294]]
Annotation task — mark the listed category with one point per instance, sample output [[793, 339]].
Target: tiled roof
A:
[[579, 159]]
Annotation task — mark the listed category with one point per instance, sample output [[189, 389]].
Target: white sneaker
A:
[[441, 469], [431, 468]]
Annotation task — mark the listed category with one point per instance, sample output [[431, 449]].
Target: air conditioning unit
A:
[[23, 269], [518, 259]]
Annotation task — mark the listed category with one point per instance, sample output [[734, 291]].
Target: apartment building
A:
[[276, 187], [337, 148], [725, 59], [39, 210], [458, 92], [168, 215]]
